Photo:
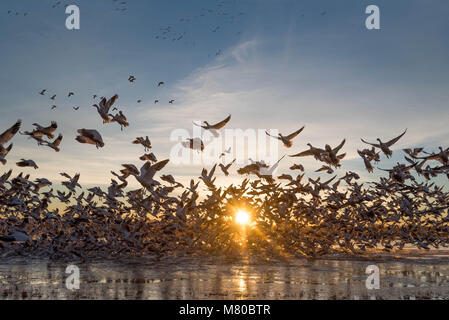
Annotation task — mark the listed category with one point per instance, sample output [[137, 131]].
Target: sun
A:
[[242, 217]]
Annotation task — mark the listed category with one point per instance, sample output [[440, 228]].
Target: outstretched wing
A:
[[372, 144], [392, 142], [52, 127], [111, 102], [8, 134], [339, 146], [58, 140], [271, 135], [303, 154], [221, 124], [294, 134]]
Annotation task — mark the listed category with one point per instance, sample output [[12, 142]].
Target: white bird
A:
[[104, 107], [385, 147], [287, 140], [214, 127], [147, 172]]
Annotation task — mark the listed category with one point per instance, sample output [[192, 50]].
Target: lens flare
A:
[[242, 217]]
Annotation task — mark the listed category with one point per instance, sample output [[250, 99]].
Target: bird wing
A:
[[271, 135], [221, 124], [393, 141], [372, 144], [339, 146], [8, 134], [111, 102], [52, 127], [303, 154], [58, 140], [160, 165], [294, 134]]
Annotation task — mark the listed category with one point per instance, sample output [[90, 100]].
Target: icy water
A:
[[412, 275]]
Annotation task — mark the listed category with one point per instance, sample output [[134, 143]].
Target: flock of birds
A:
[[104, 105], [290, 215]]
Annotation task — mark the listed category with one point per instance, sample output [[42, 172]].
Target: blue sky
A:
[[282, 65]]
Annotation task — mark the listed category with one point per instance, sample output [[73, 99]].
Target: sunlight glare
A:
[[242, 217]]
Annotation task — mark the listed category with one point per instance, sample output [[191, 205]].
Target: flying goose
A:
[[146, 143], [368, 166], [10, 133], [42, 93], [90, 137], [104, 107], [213, 128], [27, 163], [120, 118], [226, 168], [385, 147], [147, 172], [287, 140], [45, 131], [55, 144], [4, 152]]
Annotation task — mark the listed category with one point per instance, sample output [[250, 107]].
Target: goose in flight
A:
[[146, 143], [53, 97], [90, 137], [139, 101], [4, 152], [368, 166], [299, 167], [76, 108], [326, 169], [371, 154], [53, 107], [10, 133], [385, 147], [147, 172], [171, 101], [156, 101], [70, 94], [161, 83], [45, 131], [442, 156], [104, 107], [131, 79], [148, 157], [55, 144], [414, 153], [194, 144], [213, 128], [72, 183], [225, 168], [5, 137], [287, 140], [315, 152], [27, 163], [331, 157], [42, 93], [120, 118]]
